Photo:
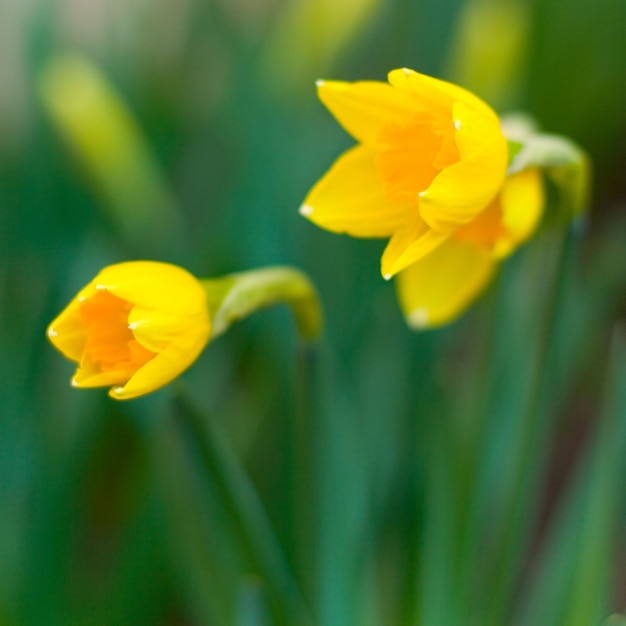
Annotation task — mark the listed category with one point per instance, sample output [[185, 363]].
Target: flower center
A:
[[485, 229], [110, 344], [412, 154]]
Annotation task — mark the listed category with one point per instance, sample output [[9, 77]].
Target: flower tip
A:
[[407, 71], [418, 318], [387, 276], [306, 209], [319, 82], [52, 332], [115, 392], [73, 382]]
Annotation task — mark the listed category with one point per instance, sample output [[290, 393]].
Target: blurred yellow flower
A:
[[431, 158], [439, 287], [134, 327], [98, 126]]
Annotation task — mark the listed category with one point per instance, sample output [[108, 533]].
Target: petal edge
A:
[[438, 288]]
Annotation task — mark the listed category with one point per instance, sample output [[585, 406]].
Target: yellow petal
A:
[[164, 367], [364, 107], [67, 331], [156, 330], [350, 198], [154, 285], [522, 202], [86, 379], [438, 288], [462, 190], [409, 244], [434, 94]]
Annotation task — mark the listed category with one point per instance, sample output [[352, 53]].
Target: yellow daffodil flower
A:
[[431, 158], [135, 327], [138, 325], [439, 287]]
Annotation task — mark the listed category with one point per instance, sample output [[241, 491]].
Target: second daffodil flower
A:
[[138, 325], [428, 173]]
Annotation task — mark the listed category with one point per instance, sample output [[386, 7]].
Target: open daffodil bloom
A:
[[134, 327], [431, 158]]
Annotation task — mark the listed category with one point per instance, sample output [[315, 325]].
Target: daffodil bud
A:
[[138, 325], [135, 327]]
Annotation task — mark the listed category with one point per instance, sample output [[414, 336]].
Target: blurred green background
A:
[[469, 475]]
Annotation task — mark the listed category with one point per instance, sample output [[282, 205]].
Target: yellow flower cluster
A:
[[429, 173]]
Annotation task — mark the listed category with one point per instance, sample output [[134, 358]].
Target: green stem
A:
[[526, 464], [236, 296], [303, 459], [246, 512], [562, 160], [597, 540]]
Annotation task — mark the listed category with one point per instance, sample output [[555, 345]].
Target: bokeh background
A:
[[468, 475]]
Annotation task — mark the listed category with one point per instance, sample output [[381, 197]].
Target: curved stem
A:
[[235, 296]]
